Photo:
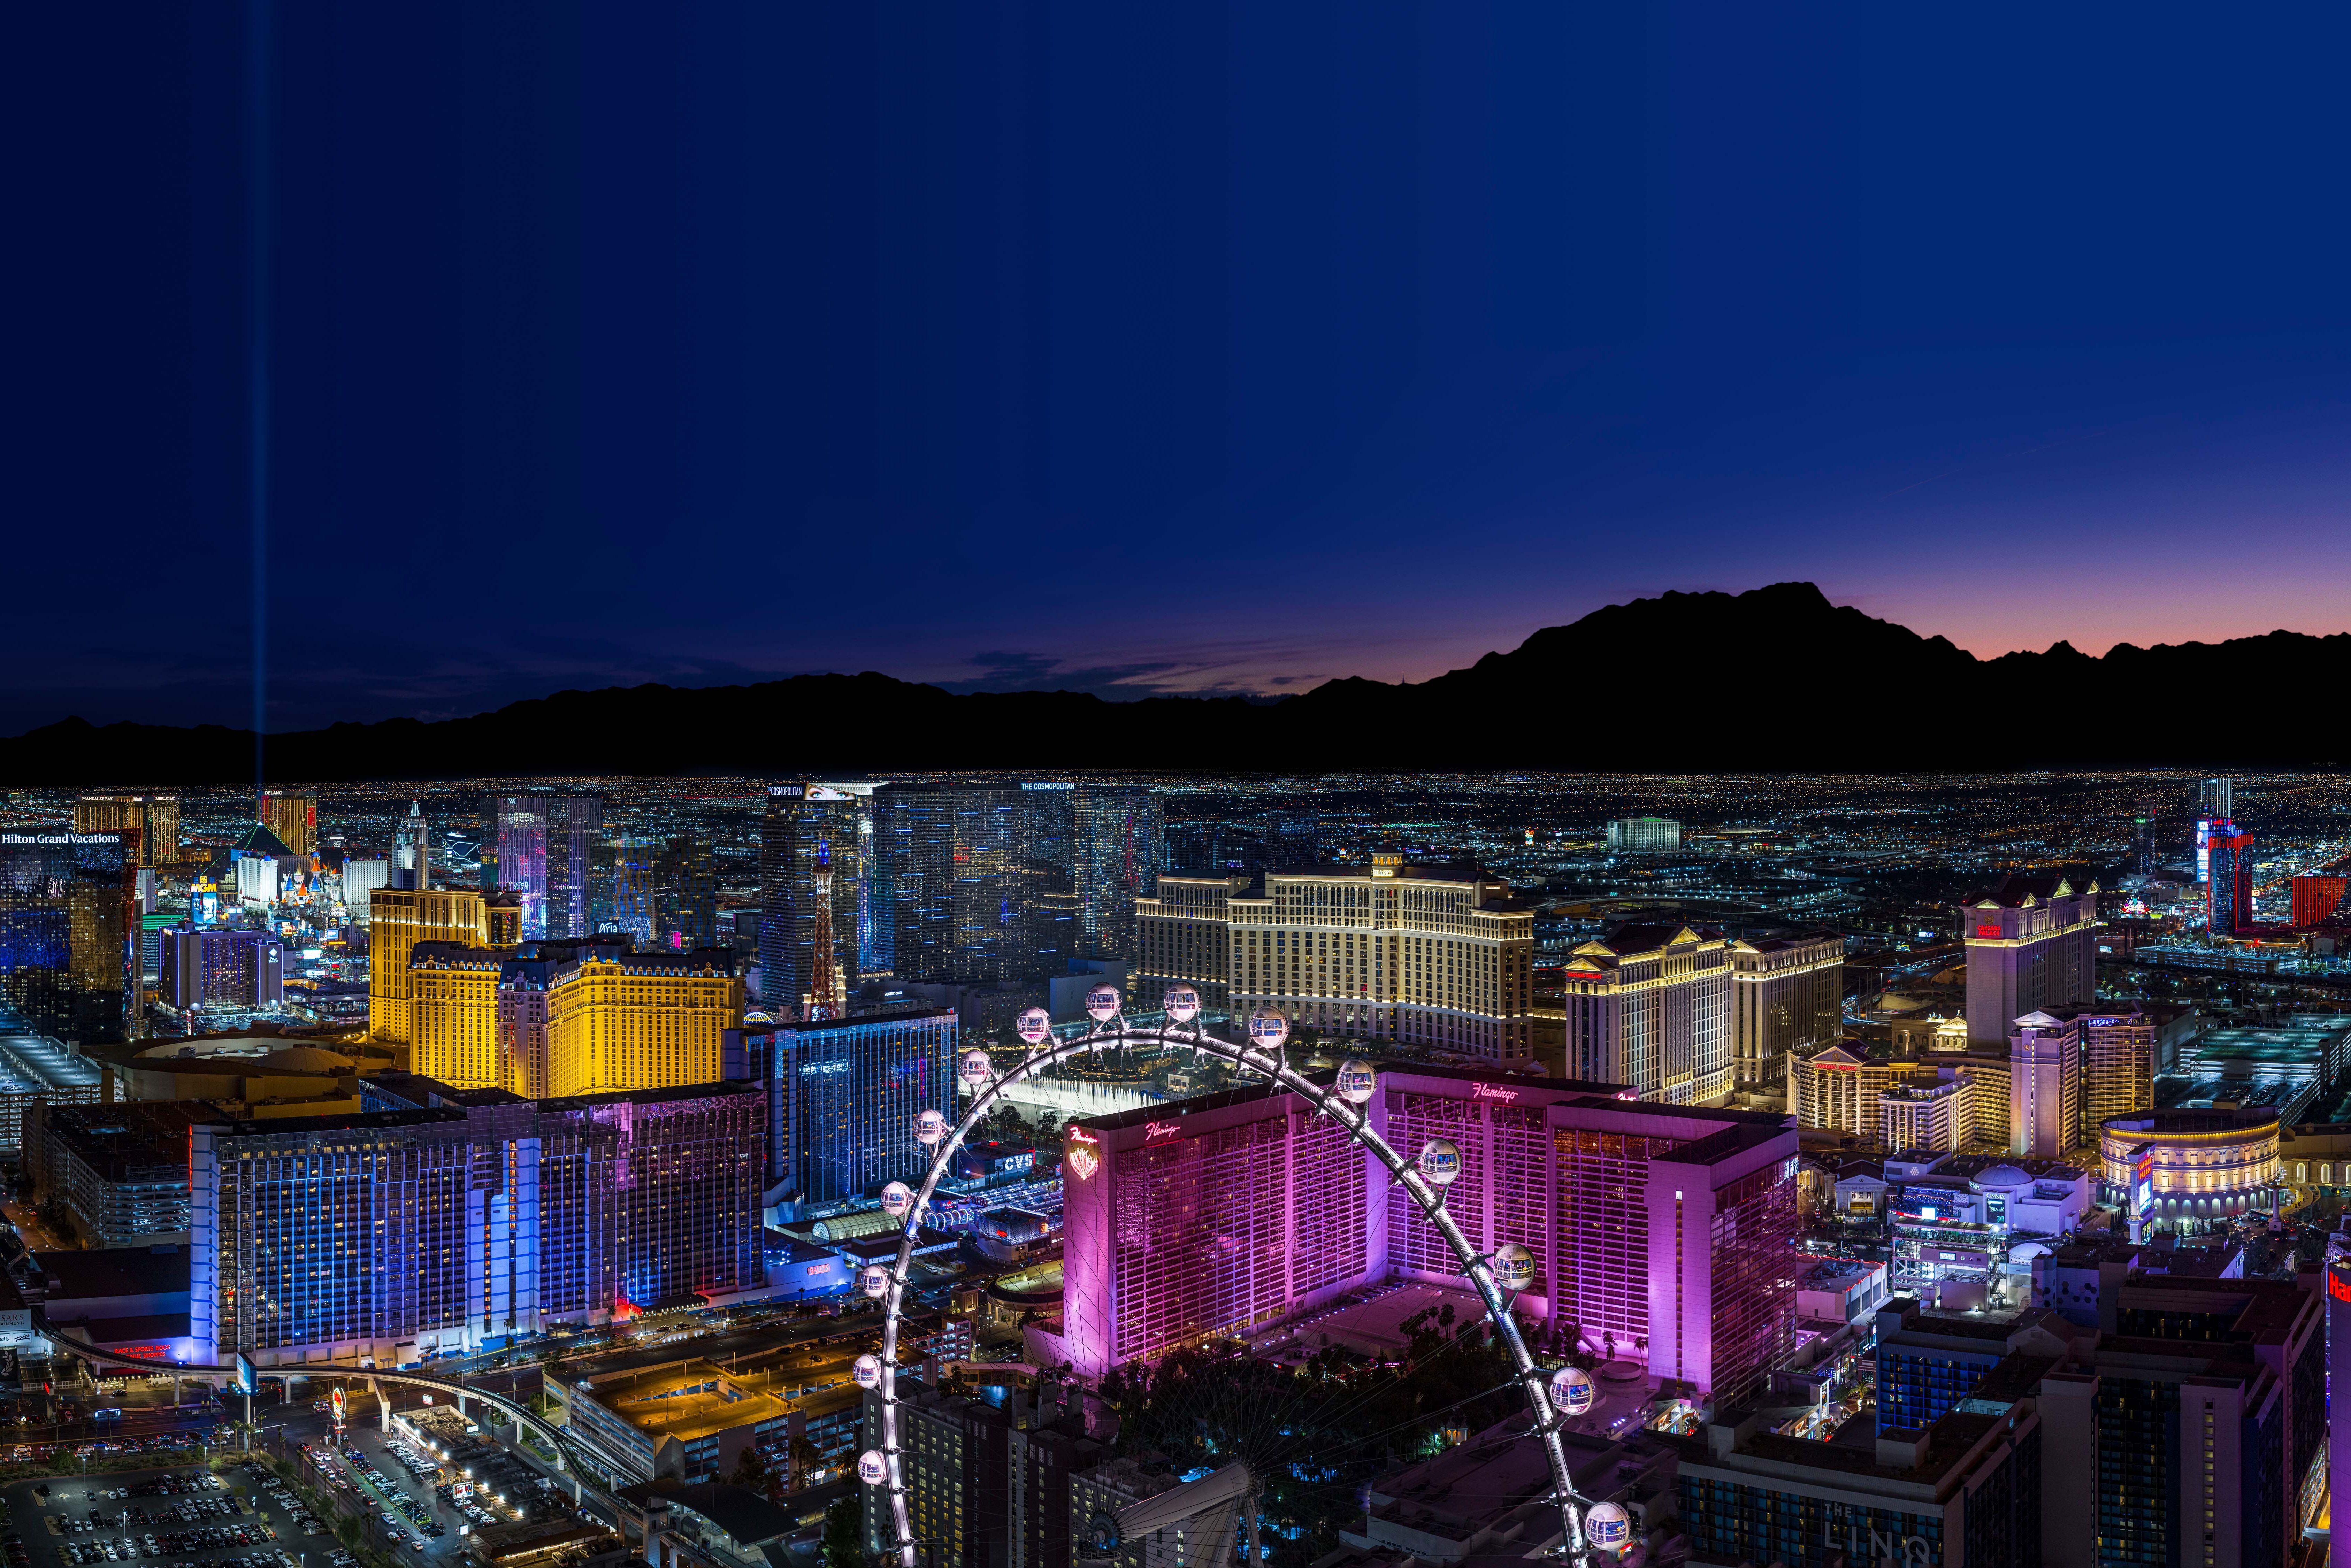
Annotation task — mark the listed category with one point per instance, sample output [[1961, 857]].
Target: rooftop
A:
[[115, 1140], [115, 1272], [744, 1516], [36, 1064], [1942, 1448], [2188, 1123], [2020, 890]]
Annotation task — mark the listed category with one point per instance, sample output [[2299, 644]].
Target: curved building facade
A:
[[2203, 1166]]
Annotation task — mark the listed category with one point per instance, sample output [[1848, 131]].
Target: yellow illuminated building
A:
[[453, 1010], [1440, 955], [293, 816], [641, 1021], [397, 921], [155, 817], [576, 1018]]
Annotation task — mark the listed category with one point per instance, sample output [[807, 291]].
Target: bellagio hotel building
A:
[[1438, 956]]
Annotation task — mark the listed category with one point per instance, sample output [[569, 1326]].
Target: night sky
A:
[[1126, 346]]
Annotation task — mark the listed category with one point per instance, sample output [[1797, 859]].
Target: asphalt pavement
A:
[[72, 1497]]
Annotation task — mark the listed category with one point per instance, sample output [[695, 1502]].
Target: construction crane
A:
[[824, 993]]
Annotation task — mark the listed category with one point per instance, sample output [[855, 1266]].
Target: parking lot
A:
[[185, 1516]]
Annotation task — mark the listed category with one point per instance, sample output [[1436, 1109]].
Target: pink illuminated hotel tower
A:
[[1663, 1231]]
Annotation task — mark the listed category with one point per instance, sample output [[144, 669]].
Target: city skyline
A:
[[1028, 785]]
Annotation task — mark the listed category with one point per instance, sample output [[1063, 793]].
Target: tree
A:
[[844, 1533], [803, 1458], [750, 1469]]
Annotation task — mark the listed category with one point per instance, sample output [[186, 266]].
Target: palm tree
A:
[[750, 1471], [802, 1457]]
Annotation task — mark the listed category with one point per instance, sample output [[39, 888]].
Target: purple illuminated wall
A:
[[1216, 1220]]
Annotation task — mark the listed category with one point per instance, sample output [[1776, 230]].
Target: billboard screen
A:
[[2142, 1192]]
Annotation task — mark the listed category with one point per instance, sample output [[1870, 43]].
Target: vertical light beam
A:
[[260, 133]]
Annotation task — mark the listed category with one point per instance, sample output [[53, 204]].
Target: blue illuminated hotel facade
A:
[[459, 1218], [842, 1098]]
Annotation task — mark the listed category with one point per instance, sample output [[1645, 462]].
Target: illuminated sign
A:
[[792, 790], [335, 1398], [1158, 1131], [2337, 1287], [2143, 1183], [1991, 931], [1492, 1091], [1082, 1151], [114, 840], [819, 792], [1035, 784]]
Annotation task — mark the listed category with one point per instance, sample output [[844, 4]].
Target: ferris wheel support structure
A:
[[1272, 1065]]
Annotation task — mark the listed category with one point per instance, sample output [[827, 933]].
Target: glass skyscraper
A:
[[685, 894], [550, 849], [2228, 891], [975, 883], [805, 825], [69, 924]]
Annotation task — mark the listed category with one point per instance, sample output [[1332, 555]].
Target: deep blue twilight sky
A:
[[1123, 346]]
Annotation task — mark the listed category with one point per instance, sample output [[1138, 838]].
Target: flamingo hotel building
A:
[[1662, 1232]]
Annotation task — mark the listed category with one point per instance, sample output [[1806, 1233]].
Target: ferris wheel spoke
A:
[[1497, 1277]]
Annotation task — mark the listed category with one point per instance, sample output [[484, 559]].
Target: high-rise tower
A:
[[155, 817], [292, 815], [807, 825], [412, 852], [2229, 890], [2032, 944], [552, 850]]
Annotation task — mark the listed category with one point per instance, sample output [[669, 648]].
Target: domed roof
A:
[[2003, 1176]]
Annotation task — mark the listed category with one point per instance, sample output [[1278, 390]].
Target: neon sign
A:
[[2337, 1287], [1082, 1153], [1158, 1131], [1492, 1091]]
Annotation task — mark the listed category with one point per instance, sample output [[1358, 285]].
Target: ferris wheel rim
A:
[[1534, 1382]]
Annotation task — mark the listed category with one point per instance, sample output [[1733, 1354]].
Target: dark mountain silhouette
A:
[[1777, 679]]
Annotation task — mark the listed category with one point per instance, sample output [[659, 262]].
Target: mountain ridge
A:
[[1773, 679]]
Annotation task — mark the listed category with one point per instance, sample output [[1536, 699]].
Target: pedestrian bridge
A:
[[568, 1447]]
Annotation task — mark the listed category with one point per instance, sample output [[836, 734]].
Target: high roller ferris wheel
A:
[[1222, 1505]]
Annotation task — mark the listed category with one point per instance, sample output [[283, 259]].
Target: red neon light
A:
[[2336, 1287], [1988, 931]]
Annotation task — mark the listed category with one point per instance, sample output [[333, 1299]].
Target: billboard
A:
[[246, 1382], [2142, 1188]]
